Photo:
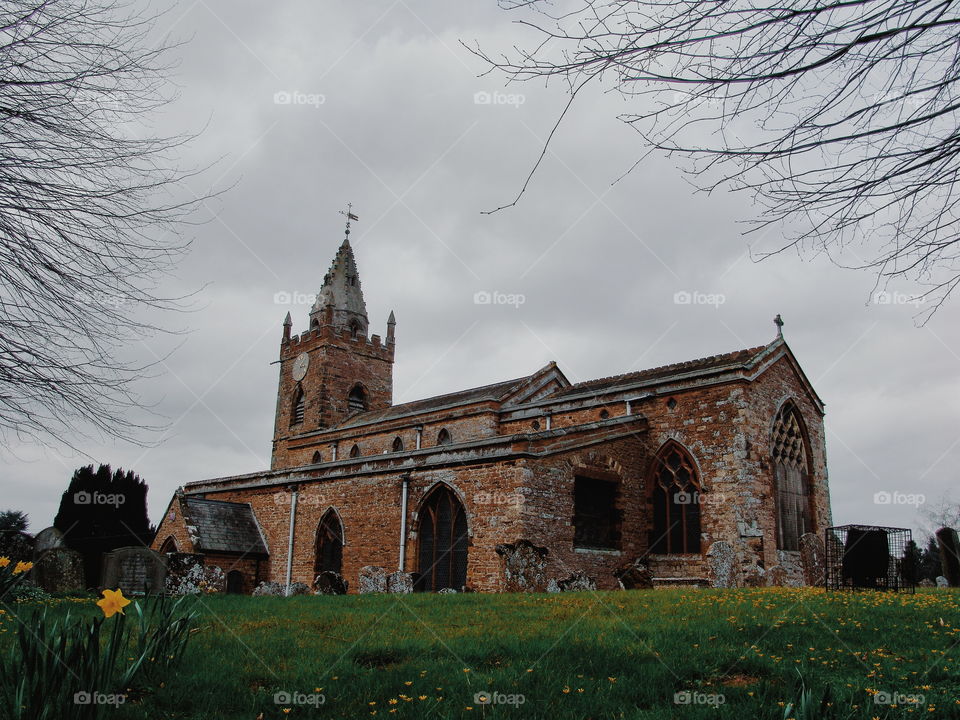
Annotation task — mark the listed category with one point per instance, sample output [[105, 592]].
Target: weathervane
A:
[[350, 216]]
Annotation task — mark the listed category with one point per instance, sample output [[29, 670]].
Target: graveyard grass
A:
[[682, 653]]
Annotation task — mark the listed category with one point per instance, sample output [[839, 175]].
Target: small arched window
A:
[[355, 451], [354, 329], [169, 546], [444, 437], [357, 399], [299, 403], [675, 497], [398, 444], [317, 457]]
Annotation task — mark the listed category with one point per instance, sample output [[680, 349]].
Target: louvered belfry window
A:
[[676, 501], [443, 542], [296, 417], [791, 478]]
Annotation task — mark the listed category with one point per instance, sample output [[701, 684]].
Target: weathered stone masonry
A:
[[656, 465]]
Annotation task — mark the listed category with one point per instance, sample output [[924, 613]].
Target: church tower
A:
[[333, 370]]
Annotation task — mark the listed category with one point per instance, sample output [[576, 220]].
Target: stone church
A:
[[666, 469]]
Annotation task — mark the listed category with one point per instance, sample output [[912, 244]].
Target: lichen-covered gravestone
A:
[[47, 539], [400, 582], [579, 581], [267, 588], [373, 579], [188, 575], [59, 570], [720, 562], [524, 566], [134, 570], [813, 559], [942, 582]]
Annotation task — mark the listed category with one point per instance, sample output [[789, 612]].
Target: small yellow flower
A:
[[113, 602], [22, 567], [4, 561]]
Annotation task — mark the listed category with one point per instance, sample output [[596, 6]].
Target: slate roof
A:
[[665, 372], [225, 527], [462, 397]]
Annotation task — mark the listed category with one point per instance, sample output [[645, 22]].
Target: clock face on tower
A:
[[300, 366]]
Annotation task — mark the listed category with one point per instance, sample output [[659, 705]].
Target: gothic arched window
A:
[[299, 401], [675, 500], [169, 546], [357, 399], [791, 478], [398, 444], [329, 544], [443, 438], [442, 533], [317, 457], [355, 451]]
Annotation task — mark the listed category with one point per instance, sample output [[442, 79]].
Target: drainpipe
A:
[[419, 436], [294, 496], [403, 521], [629, 408]]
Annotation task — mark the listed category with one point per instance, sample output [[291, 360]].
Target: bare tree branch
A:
[[90, 218], [838, 116]]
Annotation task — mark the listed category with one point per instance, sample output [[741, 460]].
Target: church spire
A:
[[340, 300]]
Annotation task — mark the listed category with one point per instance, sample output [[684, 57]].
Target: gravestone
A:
[[400, 582], [942, 582], [373, 579], [721, 560], [269, 588], [446, 591], [134, 570], [949, 555], [813, 559], [58, 570], [634, 576], [927, 583], [579, 581], [754, 576], [185, 573], [524, 566], [298, 588], [47, 539], [330, 583]]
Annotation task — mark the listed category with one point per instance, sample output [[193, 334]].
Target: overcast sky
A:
[[311, 105]]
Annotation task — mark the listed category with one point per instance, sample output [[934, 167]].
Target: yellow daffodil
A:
[[113, 602], [22, 567], [4, 561]]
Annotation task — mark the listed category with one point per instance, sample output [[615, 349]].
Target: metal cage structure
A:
[[869, 557]]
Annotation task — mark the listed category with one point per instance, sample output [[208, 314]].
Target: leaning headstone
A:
[[926, 583], [446, 591], [400, 582], [812, 559], [59, 570], [330, 583], [942, 582], [634, 576], [373, 579], [949, 555], [134, 570], [579, 581], [47, 539], [524, 566], [269, 589], [720, 563]]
